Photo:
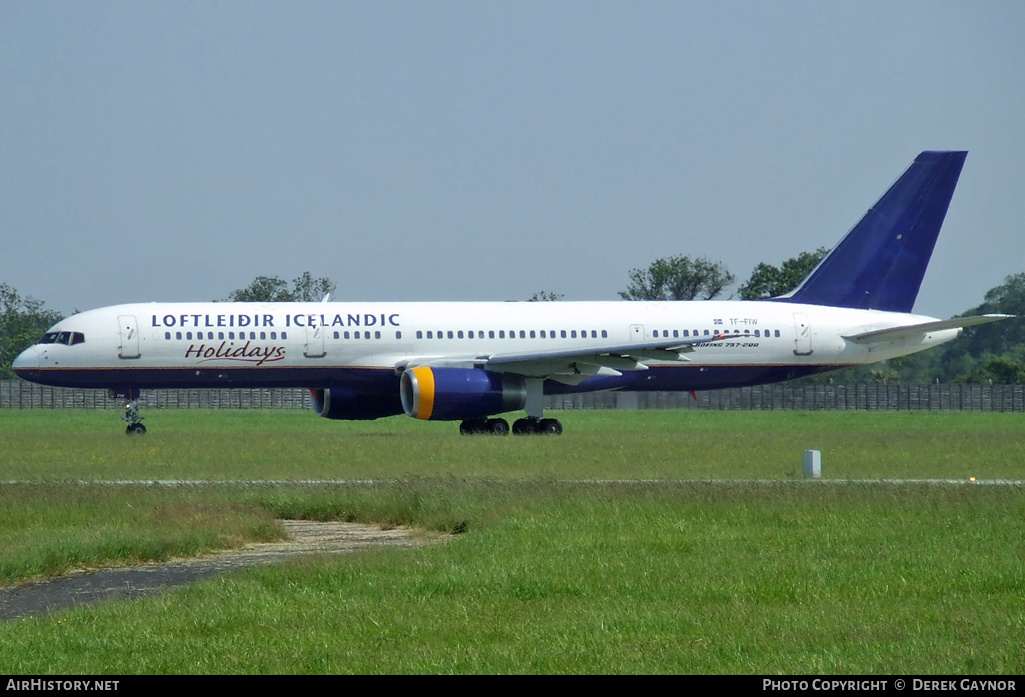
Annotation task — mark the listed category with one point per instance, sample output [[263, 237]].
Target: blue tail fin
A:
[[880, 263]]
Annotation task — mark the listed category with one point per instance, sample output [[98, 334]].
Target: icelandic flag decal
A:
[[716, 321]]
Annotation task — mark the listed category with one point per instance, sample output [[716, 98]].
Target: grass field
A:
[[618, 573]]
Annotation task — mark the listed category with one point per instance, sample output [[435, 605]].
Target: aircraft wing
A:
[[911, 330], [575, 365]]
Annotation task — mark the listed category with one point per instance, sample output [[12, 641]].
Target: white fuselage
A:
[[326, 344]]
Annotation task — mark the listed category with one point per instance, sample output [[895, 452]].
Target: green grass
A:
[[196, 444], [672, 576]]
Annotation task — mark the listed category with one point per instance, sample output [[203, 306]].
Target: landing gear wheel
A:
[[533, 425], [473, 427], [136, 429]]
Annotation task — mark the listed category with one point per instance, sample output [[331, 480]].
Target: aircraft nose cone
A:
[[27, 360]]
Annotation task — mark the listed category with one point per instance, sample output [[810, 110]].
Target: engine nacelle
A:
[[338, 403], [450, 394]]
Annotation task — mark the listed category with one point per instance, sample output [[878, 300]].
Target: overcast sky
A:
[[488, 150]]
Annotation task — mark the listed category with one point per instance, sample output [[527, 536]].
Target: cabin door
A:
[[314, 342], [129, 337], [802, 342]]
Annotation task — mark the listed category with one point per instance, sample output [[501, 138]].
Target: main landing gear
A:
[[499, 427], [533, 424], [131, 415]]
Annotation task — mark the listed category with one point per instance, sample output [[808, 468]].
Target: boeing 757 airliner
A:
[[472, 361]]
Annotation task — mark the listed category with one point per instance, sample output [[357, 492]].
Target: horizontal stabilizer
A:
[[911, 330]]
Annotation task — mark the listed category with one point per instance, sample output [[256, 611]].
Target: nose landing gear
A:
[[131, 415]]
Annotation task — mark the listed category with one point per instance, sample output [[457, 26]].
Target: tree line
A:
[[986, 353]]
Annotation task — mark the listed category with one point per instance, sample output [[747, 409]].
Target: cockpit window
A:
[[66, 338]]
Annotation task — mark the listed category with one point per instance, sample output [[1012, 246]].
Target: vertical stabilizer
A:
[[880, 263]]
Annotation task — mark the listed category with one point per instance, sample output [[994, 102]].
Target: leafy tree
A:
[[678, 278], [22, 322], [306, 288], [544, 296], [274, 289], [767, 281]]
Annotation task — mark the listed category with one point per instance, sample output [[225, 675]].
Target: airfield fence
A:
[[18, 394]]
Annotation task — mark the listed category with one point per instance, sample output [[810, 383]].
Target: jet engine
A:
[[339, 403], [448, 394]]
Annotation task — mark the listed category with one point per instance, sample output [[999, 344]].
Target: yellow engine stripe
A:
[[425, 392]]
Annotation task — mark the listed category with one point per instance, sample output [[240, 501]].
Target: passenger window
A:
[[337, 335], [263, 336], [419, 334], [459, 334], [604, 334], [220, 336], [573, 334], [563, 333], [491, 333], [344, 335], [501, 333], [523, 334], [449, 333], [377, 334], [777, 333], [430, 335], [167, 335], [533, 334], [398, 335]]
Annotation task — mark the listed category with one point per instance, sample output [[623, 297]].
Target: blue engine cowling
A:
[[449, 394], [338, 403]]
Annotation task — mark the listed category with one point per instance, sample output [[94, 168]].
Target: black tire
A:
[[135, 430], [499, 427], [551, 427]]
